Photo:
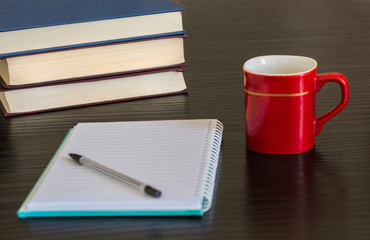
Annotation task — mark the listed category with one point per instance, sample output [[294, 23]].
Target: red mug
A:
[[280, 94]]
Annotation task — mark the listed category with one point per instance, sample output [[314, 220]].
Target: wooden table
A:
[[322, 194]]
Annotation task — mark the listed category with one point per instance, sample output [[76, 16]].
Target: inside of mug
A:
[[279, 65]]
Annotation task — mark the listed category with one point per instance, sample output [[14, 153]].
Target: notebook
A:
[[178, 157]]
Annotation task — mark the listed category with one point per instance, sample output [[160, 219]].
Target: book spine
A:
[[207, 176]]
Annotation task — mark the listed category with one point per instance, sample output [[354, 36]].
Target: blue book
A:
[[179, 158], [31, 26]]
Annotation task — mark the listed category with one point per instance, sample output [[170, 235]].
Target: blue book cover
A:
[[32, 26], [23, 14]]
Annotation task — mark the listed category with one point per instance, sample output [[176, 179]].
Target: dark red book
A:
[[86, 92]]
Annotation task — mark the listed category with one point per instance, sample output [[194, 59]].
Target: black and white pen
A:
[[116, 175]]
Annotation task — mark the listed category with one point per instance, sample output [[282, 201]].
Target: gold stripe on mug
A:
[[276, 94]]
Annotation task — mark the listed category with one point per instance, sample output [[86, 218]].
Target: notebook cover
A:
[[24, 14], [212, 149], [21, 213], [6, 114]]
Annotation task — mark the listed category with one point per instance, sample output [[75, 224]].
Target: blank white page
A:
[[168, 155]]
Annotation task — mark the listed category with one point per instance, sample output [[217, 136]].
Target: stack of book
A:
[[60, 54]]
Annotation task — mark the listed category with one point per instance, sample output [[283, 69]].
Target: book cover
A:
[[92, 91], [19, 16], [5, 87], [92, 61]]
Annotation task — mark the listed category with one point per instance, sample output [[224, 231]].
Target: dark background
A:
[[321, 194]]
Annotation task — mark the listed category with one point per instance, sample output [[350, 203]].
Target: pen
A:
[[116, 175]]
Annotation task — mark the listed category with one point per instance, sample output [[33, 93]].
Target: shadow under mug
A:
[[280, 94]]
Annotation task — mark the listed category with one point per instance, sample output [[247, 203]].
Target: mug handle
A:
[[339, 78]]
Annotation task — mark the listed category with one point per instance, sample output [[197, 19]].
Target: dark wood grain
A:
[[322, 194]]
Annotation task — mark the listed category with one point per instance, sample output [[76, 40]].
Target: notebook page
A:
[[164, 154]]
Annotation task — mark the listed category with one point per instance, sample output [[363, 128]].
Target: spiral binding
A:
[[207, 176]]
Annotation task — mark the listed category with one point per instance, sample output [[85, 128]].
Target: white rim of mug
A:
[[313, 61]]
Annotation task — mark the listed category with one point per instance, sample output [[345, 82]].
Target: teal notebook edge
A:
[[136, 213]]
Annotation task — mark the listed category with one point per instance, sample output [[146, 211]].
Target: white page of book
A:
[[167, 155]]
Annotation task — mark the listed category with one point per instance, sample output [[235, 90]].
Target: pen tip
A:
[[75, 157], [152, 191]]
